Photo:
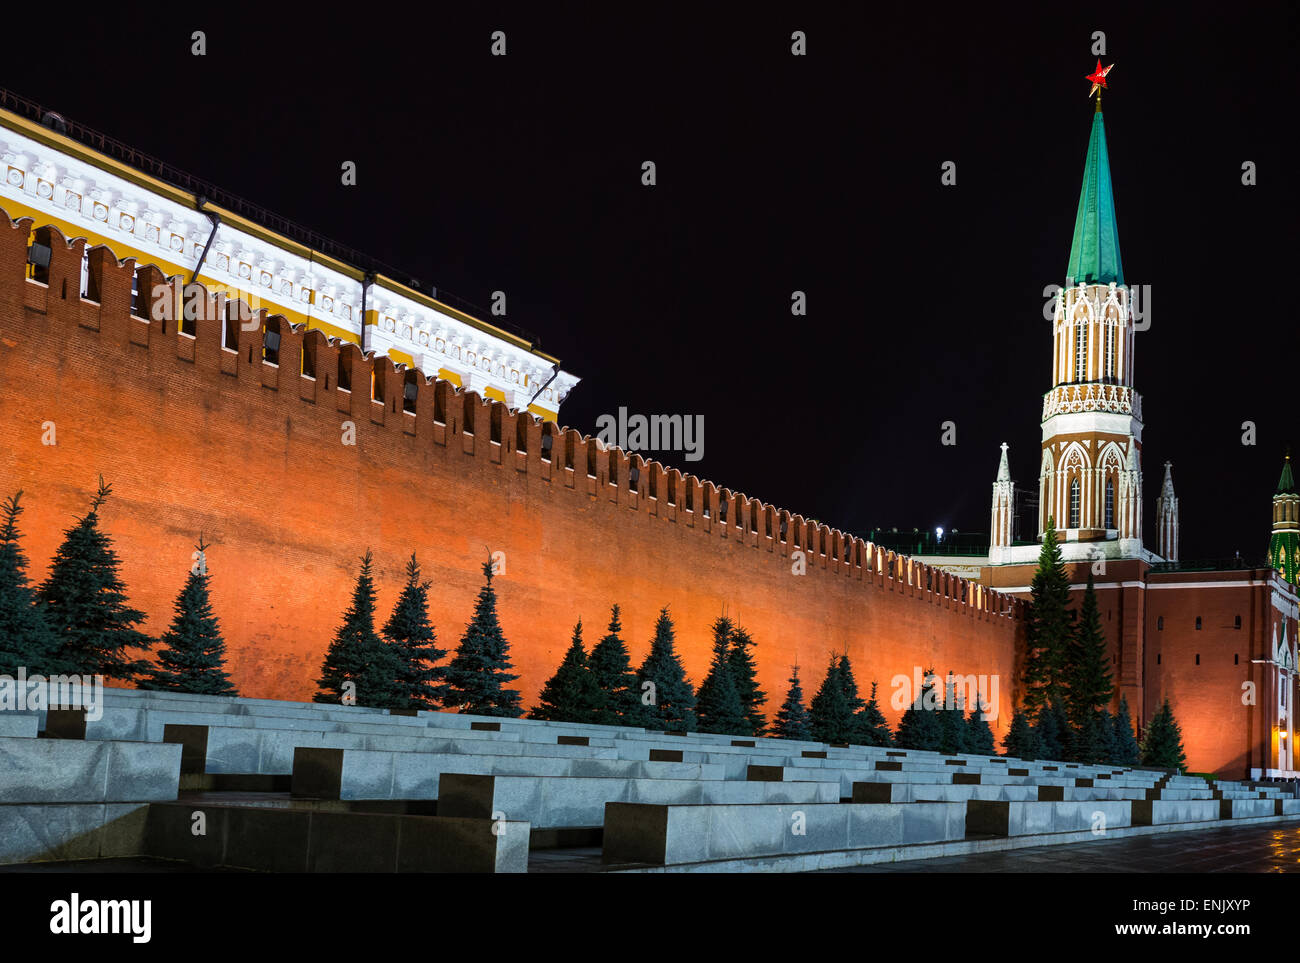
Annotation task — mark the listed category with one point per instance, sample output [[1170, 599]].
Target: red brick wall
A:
[[1220, 733], [195, 438]]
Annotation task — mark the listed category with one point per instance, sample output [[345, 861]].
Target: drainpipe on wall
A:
[[216, 222], [368, 280], [555, 372]]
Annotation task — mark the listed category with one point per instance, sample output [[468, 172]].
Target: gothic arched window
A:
[[1074, 503], [1080, 338], [1110, 503], [1110, 350]]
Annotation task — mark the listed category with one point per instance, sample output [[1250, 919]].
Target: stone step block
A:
[[1159, 812], [48, 832], [312, 841], [674, 835], [896, 792], [369, 774], [569, 801], [16, 726], [1033, 818], [1246, 808], [68, 771]]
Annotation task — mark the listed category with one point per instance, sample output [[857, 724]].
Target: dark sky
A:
[[776, 173]]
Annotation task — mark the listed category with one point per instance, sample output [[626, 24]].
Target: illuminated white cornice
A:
[[105, 206], [1091, 422]]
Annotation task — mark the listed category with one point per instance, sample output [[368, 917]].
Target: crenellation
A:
[[275, 363]]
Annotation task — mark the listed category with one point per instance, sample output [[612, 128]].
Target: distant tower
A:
[[1167, 518], [1002, 526], [1285, 543], [1090, 480]]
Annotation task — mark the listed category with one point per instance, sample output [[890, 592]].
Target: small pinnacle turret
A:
[[1167, 518], [1002, 524]]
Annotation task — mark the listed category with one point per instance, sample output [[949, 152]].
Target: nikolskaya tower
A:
[[1090, 469]]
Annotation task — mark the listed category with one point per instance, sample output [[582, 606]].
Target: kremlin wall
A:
[[347, 411], [202, 434]]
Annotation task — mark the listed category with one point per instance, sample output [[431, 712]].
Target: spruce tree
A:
[[1087, 668], [830, 714], [85, 604], [414, 645], [952, 720], [478, 673], [26, 641], [1053, 731], [1048, 629], [1126, 751], [979, 737], [357, 655], [620, 699], [193, 653], [1021, 741], [717, 704], [792, 719], [1162, 743], [1108, 745], [571, 695], [871, 728], [673, 707], [745, 672], [850, 685], [1088, 739], [920, 727]]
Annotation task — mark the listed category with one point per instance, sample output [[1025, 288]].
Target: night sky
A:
[[779, 173]]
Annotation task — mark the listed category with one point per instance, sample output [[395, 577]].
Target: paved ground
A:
[[141, 864], [1241, 849], [1230, 849]]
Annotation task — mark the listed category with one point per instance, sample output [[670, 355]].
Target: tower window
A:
[[308, 358], [1110, 350], [1198, 658], [1236, 658], [1236, 623], [1081, 335], [1110, 503], [1198, 623], [410, 391], [230, 337], [136, 304], [1074, 503], [1157, 658], [1160, 623]]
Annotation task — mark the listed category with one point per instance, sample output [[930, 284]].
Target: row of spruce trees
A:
[[79, 621], [394, 668], [1067, 686], [603, 688]]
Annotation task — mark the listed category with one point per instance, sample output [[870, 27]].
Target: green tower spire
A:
[[1284, 546], [1094, 250], [1286, 484]]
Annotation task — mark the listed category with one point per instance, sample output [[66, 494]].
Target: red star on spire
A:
[[1098, 78]]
